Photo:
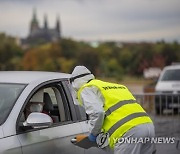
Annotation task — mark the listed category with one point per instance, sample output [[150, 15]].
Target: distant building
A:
[[44, 34]]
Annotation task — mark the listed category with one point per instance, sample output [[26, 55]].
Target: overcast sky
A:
[[121, 20]]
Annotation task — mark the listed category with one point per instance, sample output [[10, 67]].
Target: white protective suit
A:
[[93, 102], [92, 99]]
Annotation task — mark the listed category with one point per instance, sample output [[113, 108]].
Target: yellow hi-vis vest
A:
[[122, 112]]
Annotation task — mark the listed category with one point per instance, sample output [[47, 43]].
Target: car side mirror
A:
[[38, 120]]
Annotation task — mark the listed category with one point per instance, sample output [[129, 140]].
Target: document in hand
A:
[[83, 142]]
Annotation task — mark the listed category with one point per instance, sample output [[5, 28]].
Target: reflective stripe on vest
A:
[[122, 110], [124, 120], [118, 105]]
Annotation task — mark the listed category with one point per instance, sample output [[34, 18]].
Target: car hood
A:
[[1, 132], [168, 86]]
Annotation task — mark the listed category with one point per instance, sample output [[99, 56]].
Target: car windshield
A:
[[171, 75], [8, 95]]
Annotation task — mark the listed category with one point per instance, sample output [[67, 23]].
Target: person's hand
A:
[[92, 138]]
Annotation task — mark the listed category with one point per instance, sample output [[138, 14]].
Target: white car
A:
[[48, 132], [168, 89]]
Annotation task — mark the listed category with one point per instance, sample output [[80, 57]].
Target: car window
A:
[[80, 111], [171, 75], [54, 104], [65, 103], [8, 96]]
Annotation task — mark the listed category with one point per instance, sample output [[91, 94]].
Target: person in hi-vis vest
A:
[[113, 112]]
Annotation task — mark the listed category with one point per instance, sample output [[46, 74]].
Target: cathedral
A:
[[44, 34]]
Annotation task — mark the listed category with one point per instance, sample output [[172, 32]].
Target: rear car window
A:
[[8, 96], [171, 75]]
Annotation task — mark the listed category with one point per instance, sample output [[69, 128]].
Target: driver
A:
[[35, 104]]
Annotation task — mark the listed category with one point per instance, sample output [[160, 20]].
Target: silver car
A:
[[46, 132]]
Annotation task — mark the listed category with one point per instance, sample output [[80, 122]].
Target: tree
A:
[[89, 58], [10, 53], [43, 58]]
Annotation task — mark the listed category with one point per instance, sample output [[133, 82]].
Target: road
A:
[[167, 126], [135, 88]]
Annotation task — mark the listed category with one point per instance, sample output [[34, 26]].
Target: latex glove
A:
[[92, 138]]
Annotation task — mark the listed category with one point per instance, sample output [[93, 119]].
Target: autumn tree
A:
[[44, 57], [10, 53]]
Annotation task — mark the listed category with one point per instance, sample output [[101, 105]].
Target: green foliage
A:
[[108, 59], [10, 53], [89, 58], [69, 48], [44, 57], [66, 64], [114, 69]]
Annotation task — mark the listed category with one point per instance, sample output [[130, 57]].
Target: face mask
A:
[[36, 108]]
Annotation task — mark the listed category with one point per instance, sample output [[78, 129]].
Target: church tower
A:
[[58, 28], [34, 22], [45, 22], [42, 34]]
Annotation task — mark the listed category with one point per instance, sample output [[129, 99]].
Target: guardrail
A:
[[160, 104], [164, 110]]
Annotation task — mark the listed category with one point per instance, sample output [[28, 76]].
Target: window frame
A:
[[56, 82], [81, 115]]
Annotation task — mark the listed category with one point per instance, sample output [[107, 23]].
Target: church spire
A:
[[58, 26], [34, 14], [45, 22], [34, 22]]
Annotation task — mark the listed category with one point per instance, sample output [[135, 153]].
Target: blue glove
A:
[[92, 138]]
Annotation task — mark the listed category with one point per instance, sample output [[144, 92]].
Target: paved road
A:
[[167, 126], [167, 149]]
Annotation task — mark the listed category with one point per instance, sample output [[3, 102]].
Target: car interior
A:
[[54, 106]]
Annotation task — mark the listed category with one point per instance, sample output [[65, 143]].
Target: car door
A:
[[84, 124], [56, 138], [83, 120]]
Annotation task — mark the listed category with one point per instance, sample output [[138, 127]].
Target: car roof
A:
[[26, 77], [172, 67]]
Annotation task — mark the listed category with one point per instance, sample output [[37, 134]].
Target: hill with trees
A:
[[107, 59]]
